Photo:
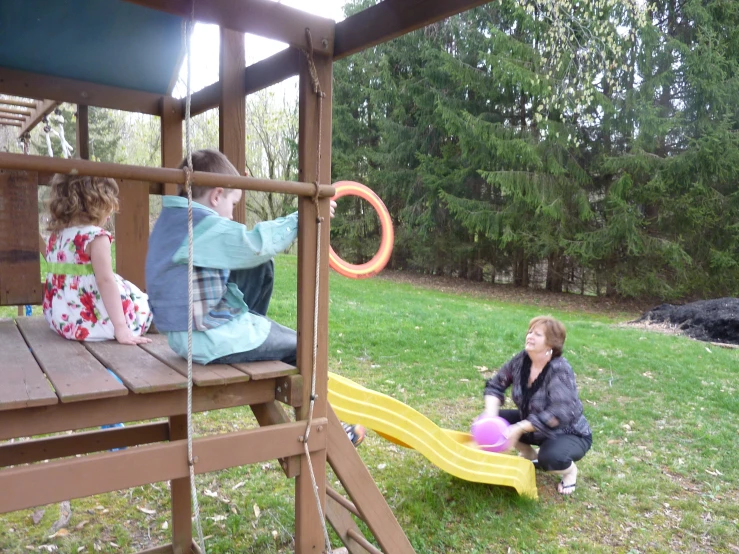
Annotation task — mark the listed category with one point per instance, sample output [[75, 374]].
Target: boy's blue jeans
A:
[[281, 344]]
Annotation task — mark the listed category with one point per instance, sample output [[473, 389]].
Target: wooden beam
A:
[[132, 231], [20, 281], [314, 165], [260, 17], [232, 110], [13, 117], [15, 111], [361, 488], [170, 119], [180, 494], [42, 109], [23, 162], [22, 103], [83, 132], [391, 18], [50, 448], [40, 484], [10, 123], [132, 407], [59, 89], [258, 76]]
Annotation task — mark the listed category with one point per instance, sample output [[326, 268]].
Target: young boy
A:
[[233, 275]]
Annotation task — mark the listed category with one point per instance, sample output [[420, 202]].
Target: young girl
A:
[[83, 299]]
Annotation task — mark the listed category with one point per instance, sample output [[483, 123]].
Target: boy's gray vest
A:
[[166, 281]]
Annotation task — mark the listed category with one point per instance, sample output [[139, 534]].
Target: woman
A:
[[549, 413]]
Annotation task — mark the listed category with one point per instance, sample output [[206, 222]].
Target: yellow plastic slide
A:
[[451, 451]]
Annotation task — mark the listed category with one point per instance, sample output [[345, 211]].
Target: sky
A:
[[205, 44]]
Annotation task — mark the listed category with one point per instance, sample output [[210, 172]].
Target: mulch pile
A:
[[714, 320]]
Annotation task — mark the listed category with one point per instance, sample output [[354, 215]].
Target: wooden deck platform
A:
[[51, 385]]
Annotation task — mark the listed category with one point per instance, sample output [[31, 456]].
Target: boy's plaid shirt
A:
[[210, 307]]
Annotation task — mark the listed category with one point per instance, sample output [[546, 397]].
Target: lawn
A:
[[662, 475]]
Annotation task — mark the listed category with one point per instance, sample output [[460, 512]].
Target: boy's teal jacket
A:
[[219, 246]]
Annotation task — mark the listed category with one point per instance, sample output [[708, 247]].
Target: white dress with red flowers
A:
[[72, 302]]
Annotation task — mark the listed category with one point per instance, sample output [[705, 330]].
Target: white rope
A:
[[317, 89], [188, 171]]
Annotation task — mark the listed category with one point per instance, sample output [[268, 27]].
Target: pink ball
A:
[[488, 433]]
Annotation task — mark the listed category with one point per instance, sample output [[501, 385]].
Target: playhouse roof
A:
[[109, 42]]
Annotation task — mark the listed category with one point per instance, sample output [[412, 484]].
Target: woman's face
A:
[[536, 340]]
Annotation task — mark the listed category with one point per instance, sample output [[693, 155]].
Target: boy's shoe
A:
[[355, 433]]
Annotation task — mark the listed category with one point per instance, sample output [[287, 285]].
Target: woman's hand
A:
[[124, 335], [514, 432]]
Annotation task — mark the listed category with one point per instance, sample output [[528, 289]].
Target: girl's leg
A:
[[256, 284], [513, 417]]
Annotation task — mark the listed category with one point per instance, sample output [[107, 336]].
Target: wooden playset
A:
[[49, 385]]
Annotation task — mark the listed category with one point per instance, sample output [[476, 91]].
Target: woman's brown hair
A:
[[77, 200], [554, 333]]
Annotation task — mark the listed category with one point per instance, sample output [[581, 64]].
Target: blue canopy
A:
[[109, 42]]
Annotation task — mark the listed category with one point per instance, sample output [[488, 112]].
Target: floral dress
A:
[[72, 302]]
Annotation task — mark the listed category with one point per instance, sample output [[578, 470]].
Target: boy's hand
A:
[[332, 209], [124, 336]]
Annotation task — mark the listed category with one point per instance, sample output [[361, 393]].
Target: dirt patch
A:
[[714, 320], [509, 293]]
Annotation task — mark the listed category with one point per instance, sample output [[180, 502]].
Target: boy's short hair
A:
[[209, 161]]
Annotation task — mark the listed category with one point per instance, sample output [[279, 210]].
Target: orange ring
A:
[[379, 260]]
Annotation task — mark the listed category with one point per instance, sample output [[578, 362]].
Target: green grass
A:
[[662, 476]]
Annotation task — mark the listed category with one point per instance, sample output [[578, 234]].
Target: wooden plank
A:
[[358, 483], [20, 268], [140, 371], [232, 112], [134, 407], [75, 374], [23, 383], [202, 375], [271, 413], [15, 111], [341, 520], [27, 452], [180, 494], [10, 123], [83, 132], [171, 113], [260, 17], [12, 117], [258, 76], [42, 109], [132, 231], [269, 369], [40, 484], [391, 18], [289, 390], [315, 129], [60, 89], [21, 103]]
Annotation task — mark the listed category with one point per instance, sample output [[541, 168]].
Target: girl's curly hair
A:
[[77, 200]]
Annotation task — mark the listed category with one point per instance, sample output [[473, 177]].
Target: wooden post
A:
[[132, 231], [308, 527], [19, 257], [180, 494], [83, 132], [171, 137], [232, 112]]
